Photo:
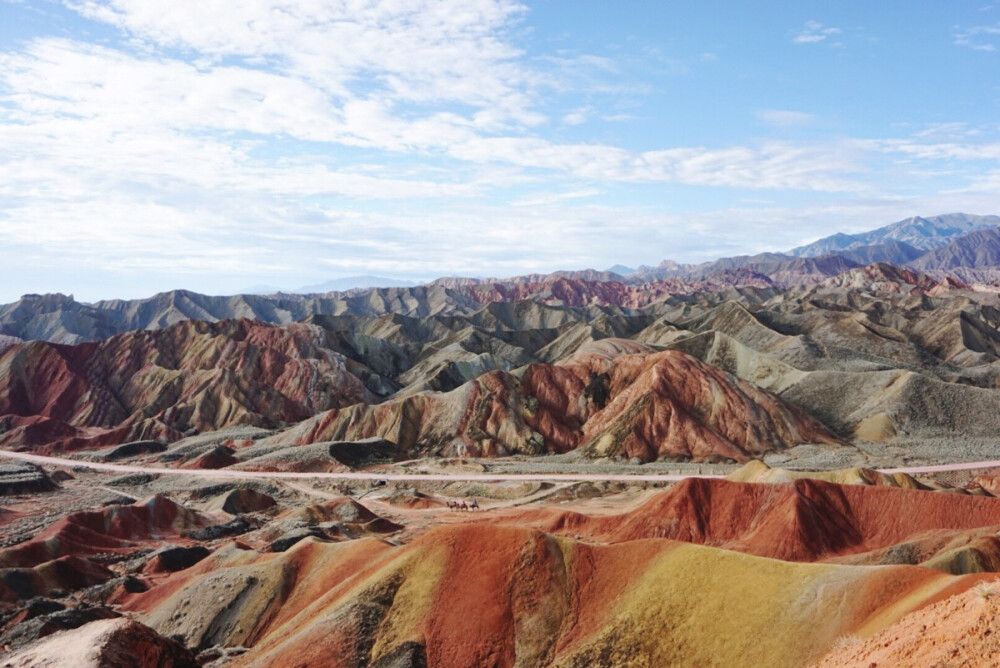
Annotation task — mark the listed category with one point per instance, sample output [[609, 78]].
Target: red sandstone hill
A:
[[148, 384], [112, 529], [805, 520], [873, 365], [488, 589], [478, 594], [613, 398], [610, 403], [959, 630], [60, 558]]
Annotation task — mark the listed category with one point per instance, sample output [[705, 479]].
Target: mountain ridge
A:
[[957, 263], [919, 232]]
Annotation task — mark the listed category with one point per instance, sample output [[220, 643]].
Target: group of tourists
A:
[[455, 505]]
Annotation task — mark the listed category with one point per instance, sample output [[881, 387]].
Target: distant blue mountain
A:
[[924, 234], [621, 270]]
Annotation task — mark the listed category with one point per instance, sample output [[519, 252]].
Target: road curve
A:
[[416, 477]]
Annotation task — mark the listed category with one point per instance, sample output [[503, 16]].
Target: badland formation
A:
[[746, 462]]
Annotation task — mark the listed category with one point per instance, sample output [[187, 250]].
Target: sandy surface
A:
[[962, 630]]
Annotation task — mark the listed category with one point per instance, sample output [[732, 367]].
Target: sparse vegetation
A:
[[985, 590]]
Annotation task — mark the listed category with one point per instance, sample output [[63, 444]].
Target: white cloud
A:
[[552, 198], [102, 111], [813, 32], [978, 38], [578, 116], [954, 129], [937, 151], [267, 139], [773, 165], [414, 50]]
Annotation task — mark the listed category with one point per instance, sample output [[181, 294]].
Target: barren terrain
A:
[[777, 460]]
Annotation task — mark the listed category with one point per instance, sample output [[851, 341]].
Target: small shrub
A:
[[984, 590]]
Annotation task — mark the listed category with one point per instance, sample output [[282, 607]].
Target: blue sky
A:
[[214, 145]]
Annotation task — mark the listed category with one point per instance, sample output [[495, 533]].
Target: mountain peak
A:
[[918, 232]]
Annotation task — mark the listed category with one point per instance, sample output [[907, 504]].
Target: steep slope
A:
[[57, 318], [109, 530], [513, 584], [72, 553], [614, 399], [481, 595], [8, 341], [892, 252], [194, 375], [854, 351], [979, 249], [802, 520], [779, 269], [960, 630], [60, 319], [668, 403]]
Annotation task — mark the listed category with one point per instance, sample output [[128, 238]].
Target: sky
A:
[[215, 145]]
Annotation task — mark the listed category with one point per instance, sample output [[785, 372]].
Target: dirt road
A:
[[416, 477], [413, 477]]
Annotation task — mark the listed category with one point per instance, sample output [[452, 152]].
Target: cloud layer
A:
[[218, 144]]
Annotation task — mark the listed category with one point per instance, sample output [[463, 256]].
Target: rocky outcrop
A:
[[218, 457], [8, 341], [35, 627], [112, 643], [366, 451], [134, 449], [23, 478], [241, 500], [175, 558]]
